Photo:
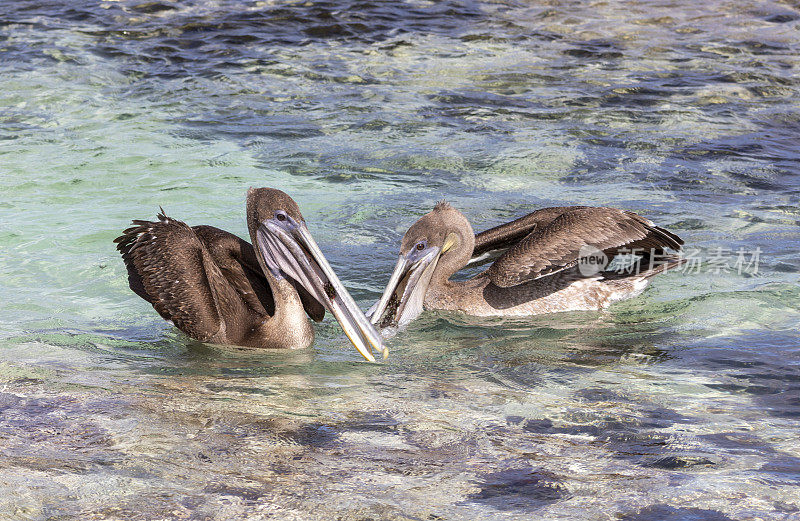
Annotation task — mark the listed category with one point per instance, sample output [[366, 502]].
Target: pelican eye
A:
[[420, 245], [281, 216]]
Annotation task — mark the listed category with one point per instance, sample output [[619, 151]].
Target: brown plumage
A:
[[216, 287], [556, 245], [538, 269]]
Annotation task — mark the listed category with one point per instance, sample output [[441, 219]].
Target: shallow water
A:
[[683, 403]]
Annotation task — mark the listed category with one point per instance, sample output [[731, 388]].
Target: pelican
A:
[[551, 260], [218, 288]]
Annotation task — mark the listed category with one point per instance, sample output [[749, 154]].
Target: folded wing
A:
[[560, 234], [502, 237]]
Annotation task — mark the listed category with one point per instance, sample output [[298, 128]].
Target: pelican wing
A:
[[244, 272], [238, 262], [556, 245], [502, 237], [169, 266]]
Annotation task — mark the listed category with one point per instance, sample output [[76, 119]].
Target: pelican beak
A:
[[402, 300], [288, 247]]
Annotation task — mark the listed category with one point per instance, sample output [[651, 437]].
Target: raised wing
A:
[[237, 259], [557, 244], [167, 266]]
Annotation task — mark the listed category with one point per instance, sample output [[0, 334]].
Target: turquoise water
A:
[[683, 403]]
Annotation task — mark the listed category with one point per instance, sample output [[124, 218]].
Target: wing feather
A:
[[506, 235], [556, 245], [167, 266]]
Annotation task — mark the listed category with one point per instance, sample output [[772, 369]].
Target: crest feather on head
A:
[[442, 205]]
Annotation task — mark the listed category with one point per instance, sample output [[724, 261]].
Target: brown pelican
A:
[[551, 260], [218, 288]]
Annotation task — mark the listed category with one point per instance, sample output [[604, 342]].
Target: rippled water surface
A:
[[683, 403]]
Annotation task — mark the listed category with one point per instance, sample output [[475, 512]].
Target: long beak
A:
[[296, 253], [400, 269], [405, 292]]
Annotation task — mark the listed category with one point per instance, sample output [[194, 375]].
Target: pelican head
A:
[[432, 250], [285, 249]]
